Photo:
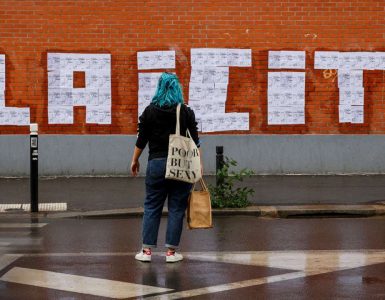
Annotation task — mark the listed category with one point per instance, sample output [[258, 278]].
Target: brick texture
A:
[[30, 29]]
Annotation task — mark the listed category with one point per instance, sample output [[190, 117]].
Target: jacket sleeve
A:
[[192, 126], [143, 123]]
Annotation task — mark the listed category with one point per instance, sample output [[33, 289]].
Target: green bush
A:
[[225, 195]]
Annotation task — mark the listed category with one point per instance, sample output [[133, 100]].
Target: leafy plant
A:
[[224, 194]]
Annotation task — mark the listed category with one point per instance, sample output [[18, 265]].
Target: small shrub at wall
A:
[[225, 195]]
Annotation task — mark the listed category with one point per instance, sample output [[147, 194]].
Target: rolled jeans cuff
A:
[[171, 246], [148, 246]]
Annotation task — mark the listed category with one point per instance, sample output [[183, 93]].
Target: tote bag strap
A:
[[177, 128]]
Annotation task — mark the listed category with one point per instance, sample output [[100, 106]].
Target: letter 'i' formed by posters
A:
[[148, 82], [95, 96], [286, 90], [19, 116], [208, 88], [350, 66]]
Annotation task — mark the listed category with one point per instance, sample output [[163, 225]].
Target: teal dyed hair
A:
[[169, 91]]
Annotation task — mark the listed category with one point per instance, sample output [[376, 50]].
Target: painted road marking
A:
[[229, 286], [61, 206], [302, 263], [79, 284], [5, 207], [309, 261], [22, 225], [7, 259]]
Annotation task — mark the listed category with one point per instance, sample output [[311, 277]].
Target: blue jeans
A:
[[157, 190]]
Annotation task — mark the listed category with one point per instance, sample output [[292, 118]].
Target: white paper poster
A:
[[287, 59], [286, 98], [60, 115], [156, 60], [220, 57]]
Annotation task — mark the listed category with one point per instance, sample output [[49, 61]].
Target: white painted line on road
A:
[[82, 254], [79, 284], [22, 241], [5, 207], [22, 225], [61, 206], [229, 286], [303, 263], [7, 259]]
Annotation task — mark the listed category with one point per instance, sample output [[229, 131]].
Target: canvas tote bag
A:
[[183, 160], [199, 214]]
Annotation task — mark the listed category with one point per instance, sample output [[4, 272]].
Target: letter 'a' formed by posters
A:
[[95, 96]]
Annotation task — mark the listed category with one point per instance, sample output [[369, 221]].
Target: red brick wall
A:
[[30, 29]]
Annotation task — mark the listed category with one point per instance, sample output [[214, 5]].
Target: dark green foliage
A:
[[225, 194]]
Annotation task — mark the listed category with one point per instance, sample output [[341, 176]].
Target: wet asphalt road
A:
[[85, 194], [240, 249]]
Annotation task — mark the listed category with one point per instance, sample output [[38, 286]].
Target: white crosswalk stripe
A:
[[79, 284], [300, 264]]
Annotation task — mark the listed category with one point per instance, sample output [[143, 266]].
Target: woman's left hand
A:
[[135, 167]]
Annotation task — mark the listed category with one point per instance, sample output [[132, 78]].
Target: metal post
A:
[[34, 164], [219, 163]]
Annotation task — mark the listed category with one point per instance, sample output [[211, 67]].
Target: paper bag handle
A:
[[203, 184]]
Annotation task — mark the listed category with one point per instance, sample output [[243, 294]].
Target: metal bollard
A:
[[34, 165], [219, 163]]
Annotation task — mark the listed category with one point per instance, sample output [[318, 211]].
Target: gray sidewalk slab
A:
[[110, 193]]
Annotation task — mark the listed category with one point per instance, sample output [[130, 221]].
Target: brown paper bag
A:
[[199, 214]]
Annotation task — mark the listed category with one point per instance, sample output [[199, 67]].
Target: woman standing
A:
[[155, 125]]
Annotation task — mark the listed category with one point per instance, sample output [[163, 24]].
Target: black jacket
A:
[[156, 124]]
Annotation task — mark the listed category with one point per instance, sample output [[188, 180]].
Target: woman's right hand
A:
[[135, 167]]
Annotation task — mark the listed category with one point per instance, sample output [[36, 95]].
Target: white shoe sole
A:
[[173, 260], [143, 259]]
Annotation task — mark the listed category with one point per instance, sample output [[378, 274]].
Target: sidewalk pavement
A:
[[275, 196]]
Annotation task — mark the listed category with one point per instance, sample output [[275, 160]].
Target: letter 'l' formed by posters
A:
[[208, 87], [16, 116]]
